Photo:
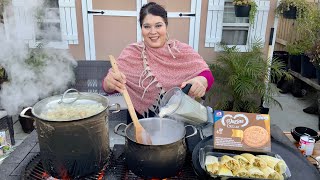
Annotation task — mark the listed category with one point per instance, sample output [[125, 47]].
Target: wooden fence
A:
[[286, 31]]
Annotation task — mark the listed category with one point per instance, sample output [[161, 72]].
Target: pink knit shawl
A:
[[150, 70]]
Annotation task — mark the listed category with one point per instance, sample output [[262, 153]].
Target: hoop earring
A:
[[168, 36]]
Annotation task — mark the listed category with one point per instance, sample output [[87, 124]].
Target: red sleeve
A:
[[208, 75]]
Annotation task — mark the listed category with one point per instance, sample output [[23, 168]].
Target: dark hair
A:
[[154, 9]]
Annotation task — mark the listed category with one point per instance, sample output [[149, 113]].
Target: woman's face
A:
[[154, 31]]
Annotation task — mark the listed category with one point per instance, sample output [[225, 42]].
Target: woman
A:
[[152, 67]]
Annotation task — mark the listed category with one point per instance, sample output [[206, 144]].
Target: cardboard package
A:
[[242, 131]]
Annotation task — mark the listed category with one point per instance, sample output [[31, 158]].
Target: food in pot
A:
[[212, 164], [242, 172], [223, 171], [274, 163], [254, 172], [72, 111], [229, 162], [255, 161], [271, 173]]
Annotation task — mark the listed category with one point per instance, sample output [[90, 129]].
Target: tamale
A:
[[271, 173], [254, 172], [224, 171], [212, 164], [229, 162], [242, 172], [242, 161], [255, 161]]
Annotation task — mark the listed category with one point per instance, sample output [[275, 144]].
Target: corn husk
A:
[[242, 172], [274, 163], [255, 161], [271, 173], [224, 171], [243, 162], [254, 172], [212, 164], [229, 162]]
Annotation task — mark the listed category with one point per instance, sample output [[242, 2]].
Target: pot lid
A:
[[70, 106]]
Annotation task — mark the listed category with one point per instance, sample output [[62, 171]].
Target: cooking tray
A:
[[209, 150], [299, 166]]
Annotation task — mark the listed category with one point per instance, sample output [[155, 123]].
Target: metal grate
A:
[[115, 169]]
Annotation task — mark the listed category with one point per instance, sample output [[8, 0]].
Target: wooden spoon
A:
[[142, 135]]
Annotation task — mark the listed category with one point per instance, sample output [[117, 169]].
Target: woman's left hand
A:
[[198, 88]]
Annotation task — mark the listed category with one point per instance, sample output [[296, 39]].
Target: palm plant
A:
[[243, 79]]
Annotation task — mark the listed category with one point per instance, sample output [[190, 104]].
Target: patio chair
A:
[[89, 76], [6, 123]]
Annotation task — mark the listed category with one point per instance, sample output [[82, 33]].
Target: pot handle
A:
[[23, 112], [195, 131], [65, 93], [117, 107], [120, 132]]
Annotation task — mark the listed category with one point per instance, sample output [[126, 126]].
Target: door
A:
[[110, 25]]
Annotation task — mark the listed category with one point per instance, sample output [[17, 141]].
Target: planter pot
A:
[[307, 68], [295, 63], [242, 11], [291, 14], [318, 75], [283, 57]]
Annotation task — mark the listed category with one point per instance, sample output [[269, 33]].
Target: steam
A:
[[30, 82]]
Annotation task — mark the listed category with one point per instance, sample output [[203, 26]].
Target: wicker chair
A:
[[89, 76]]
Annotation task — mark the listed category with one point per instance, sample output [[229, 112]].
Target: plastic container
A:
[[209, 150], [178, 105]]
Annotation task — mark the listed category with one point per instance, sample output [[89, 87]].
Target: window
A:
[[224, 27], [234, 29], [56, 23]]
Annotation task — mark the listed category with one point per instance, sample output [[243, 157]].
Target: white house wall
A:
[[208, 54]]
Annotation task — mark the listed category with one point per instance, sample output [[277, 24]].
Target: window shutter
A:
[[214, 22], [23, 29], [68, 21], [258, 29]]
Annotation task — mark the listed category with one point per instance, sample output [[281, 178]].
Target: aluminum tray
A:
[[209, 150]]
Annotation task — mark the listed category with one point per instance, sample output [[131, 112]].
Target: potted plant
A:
[[245, 8], [314, 55], [295, 50], [291, 9], [242, 80]]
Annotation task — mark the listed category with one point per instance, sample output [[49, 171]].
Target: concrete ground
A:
[[291, 116]]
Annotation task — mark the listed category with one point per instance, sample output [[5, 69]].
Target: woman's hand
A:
[[198, 88], [114, 82]]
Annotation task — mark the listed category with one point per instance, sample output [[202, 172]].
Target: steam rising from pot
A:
[[33, 74]]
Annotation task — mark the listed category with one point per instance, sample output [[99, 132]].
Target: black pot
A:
[[27, 123], [72, 147], [242, 11], [291, 13], [165, 157], [300, 131], [295, 63], [307, 68]]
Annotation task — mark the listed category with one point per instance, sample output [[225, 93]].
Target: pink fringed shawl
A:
[[152, 71]]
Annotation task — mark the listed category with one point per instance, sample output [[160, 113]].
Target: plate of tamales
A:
[[226, 164]]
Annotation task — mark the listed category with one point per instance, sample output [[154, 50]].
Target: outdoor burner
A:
[[114, 169]]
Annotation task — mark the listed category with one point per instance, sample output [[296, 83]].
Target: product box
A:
[[241, 131], [3, 139]]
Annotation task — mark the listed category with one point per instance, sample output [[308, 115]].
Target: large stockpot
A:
[[72, 147], [165, 157]]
